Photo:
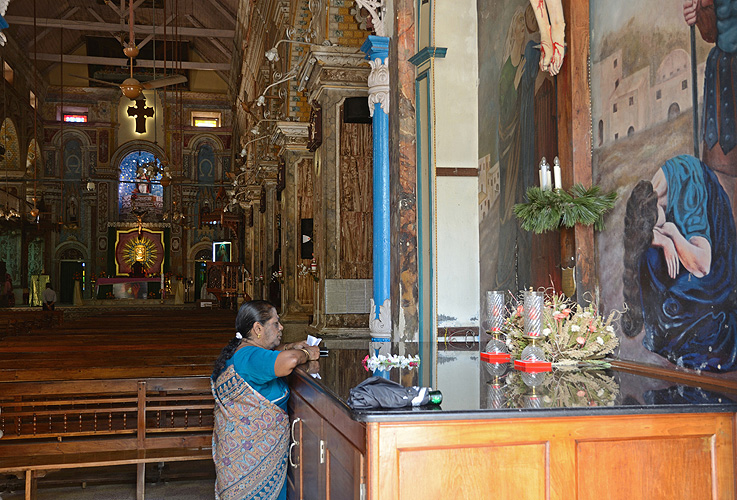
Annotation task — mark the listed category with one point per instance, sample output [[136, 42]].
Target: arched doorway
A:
[[200, 270], [71, 269], [673, 111]]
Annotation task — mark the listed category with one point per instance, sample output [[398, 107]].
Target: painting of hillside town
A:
[[666, 260]]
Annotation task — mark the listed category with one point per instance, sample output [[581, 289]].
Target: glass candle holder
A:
[[494, 311], [533, 310]]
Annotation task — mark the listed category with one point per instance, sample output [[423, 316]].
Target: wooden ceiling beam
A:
[[106, 27], [97, 16], [225, 12], [122, 62], [217, 43], [45, 32], [151, 36]]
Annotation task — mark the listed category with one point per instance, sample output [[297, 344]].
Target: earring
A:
[[258, 335]]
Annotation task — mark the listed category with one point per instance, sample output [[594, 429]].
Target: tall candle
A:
[[556, 172]]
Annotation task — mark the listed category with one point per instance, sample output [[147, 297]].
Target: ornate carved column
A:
[[331, 75], [380, 318], [291, 137]]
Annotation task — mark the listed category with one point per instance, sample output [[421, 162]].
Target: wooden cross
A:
[[141, 112]]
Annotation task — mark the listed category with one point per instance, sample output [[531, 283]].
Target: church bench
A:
[[14, 322], [93, 423]]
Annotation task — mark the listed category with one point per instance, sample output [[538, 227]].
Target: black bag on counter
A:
[[378, 392]]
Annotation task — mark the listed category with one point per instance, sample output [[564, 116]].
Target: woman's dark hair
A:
[[639, 221], [250, 313]]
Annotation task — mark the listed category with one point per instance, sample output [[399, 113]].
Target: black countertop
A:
[[475, 389]]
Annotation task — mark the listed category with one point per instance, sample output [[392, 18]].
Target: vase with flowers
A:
[[571, 334]]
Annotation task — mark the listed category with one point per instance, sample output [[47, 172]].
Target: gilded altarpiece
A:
[[356, 201]]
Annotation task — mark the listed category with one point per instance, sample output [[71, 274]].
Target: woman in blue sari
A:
[[680, 273], [251, 430]]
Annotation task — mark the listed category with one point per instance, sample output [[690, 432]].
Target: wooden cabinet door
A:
[[306, 481], [343, 466]]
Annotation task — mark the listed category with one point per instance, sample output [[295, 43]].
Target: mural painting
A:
[[670, 259], [513, 135]]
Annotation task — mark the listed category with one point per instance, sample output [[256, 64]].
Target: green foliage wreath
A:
[[546, 210]]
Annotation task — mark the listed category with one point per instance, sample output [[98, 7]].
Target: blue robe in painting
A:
[[688, 320]]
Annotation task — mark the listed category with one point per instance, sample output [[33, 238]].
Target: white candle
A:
[[556, 172], [542, 178], [548, 181]]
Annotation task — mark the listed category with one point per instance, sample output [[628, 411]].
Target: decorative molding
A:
[[383, 324], [290, 136], [376, 11], [378, 82], [333, 67], [428, 53]]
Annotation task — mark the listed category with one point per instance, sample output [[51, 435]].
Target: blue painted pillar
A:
[[376, 49]]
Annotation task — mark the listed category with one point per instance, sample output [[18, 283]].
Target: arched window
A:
[[137, 190]]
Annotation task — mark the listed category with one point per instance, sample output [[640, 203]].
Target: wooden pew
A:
[[14, 322], [92, 423]]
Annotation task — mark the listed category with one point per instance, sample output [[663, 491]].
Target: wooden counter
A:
[[656, 449]]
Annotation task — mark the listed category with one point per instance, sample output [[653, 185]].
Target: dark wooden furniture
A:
[[14, 322], [92, 423]]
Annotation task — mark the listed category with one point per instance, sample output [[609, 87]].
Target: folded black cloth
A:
[[378, 392]]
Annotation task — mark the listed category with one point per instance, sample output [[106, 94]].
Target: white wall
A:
[[456, 146]]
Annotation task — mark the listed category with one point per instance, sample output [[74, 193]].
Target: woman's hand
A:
[[314, 352], [312, 367], [663, 240]]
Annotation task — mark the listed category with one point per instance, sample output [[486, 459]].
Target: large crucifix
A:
[[141, 112]]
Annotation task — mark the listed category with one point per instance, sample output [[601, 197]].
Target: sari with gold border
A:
[[249, 442]]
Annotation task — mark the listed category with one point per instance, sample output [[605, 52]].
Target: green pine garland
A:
[[548, 210]]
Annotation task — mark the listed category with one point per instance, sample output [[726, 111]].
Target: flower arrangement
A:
[[382, 362], [572, 335]]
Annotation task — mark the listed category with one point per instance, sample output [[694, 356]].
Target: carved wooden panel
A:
[[356, 201]]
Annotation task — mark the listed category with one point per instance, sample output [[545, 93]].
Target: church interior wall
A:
[[455, 146]]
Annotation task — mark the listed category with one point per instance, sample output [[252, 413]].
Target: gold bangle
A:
[[307, 353]]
